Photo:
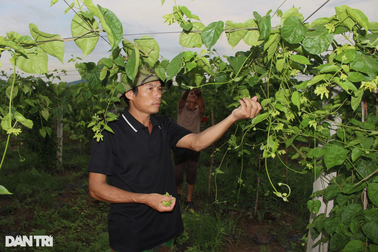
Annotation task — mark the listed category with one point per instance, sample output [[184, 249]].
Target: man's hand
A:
[[249, 108], [155, 201], [198, 92]]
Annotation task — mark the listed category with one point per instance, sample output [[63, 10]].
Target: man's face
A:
[[148, 99], [192, 97]]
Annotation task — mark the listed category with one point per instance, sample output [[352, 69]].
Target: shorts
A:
[[188, 161], [168, 244]]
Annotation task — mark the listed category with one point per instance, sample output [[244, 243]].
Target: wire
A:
[[316, 11]]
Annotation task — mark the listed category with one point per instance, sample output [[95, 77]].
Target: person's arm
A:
[[183, 98], [200, 102], [99, 189], [249, 109]]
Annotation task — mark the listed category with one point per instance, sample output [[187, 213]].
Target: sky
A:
[[145, 17]]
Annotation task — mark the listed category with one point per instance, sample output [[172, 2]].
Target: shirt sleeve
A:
[[175, 132], [102, 156]]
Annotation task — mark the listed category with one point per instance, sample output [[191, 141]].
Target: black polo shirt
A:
[[137, 161]]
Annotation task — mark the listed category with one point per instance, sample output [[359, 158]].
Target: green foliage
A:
[[324, 111]]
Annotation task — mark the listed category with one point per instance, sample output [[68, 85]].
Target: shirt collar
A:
[[135, 124], [187, 106]]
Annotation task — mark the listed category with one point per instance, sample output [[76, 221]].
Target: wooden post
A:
[[59, 133], [212, 156]]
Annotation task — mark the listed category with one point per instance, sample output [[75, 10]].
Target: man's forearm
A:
[[248, 109], [111, 194], [207, 137]]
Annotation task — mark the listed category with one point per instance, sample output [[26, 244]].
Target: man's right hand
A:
[[249, 108], [155, 201]]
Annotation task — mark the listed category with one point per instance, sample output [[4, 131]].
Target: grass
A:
[[57, 203]]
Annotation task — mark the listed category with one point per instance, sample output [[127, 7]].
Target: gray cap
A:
[[144, 76]]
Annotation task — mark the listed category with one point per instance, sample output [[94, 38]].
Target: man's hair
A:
[[134, 90]]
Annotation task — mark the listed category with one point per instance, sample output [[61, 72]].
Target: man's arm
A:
[[99, 189], [200, 102], [249, 109], [183, 98]]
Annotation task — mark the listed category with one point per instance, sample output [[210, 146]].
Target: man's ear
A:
[[130, 95]]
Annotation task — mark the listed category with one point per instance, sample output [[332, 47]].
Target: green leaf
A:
[[132, 65], [107, 128], [260, 117], [4, 190], [26, 122], [151, 49], [54, 48], [296, 99], [292, 12], [188, 13], [331, 225], [79, 28], [358, 17], [316, 79], [271, 45], [350, 211], [373, 193], [365, 64], [351, 188], [314, 205], [212, 33], [354, 246], [234, 37], [338, 241], [370, 229], [45, 114], [329, 68], [14, 92], [316, 152], [331, 191], [160, 72], [317, 41], [264, 27], [341, 12], [237, 62], [112, 26], [356, 100], [91, 7], [192, 39], [251, 38], [36, 61], [300, 59], [356, 153], [43, 132], [293, 31], [335, 155], [371, 215], [53, 2], [280, 64], [356, 77], [373, 248], [175, 66]]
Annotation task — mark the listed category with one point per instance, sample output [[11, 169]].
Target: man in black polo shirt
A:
[[136, 160]]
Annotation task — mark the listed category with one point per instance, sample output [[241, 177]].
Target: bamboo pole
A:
[[212, 156]]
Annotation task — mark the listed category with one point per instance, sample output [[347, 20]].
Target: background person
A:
[[191, 109], [136, 160]]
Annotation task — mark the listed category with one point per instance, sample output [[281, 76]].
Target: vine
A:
[[322, 111]]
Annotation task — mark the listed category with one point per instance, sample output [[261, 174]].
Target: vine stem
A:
[[9, 112]]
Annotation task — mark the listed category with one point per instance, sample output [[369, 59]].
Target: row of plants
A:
[[332, 111], [57, 203]]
